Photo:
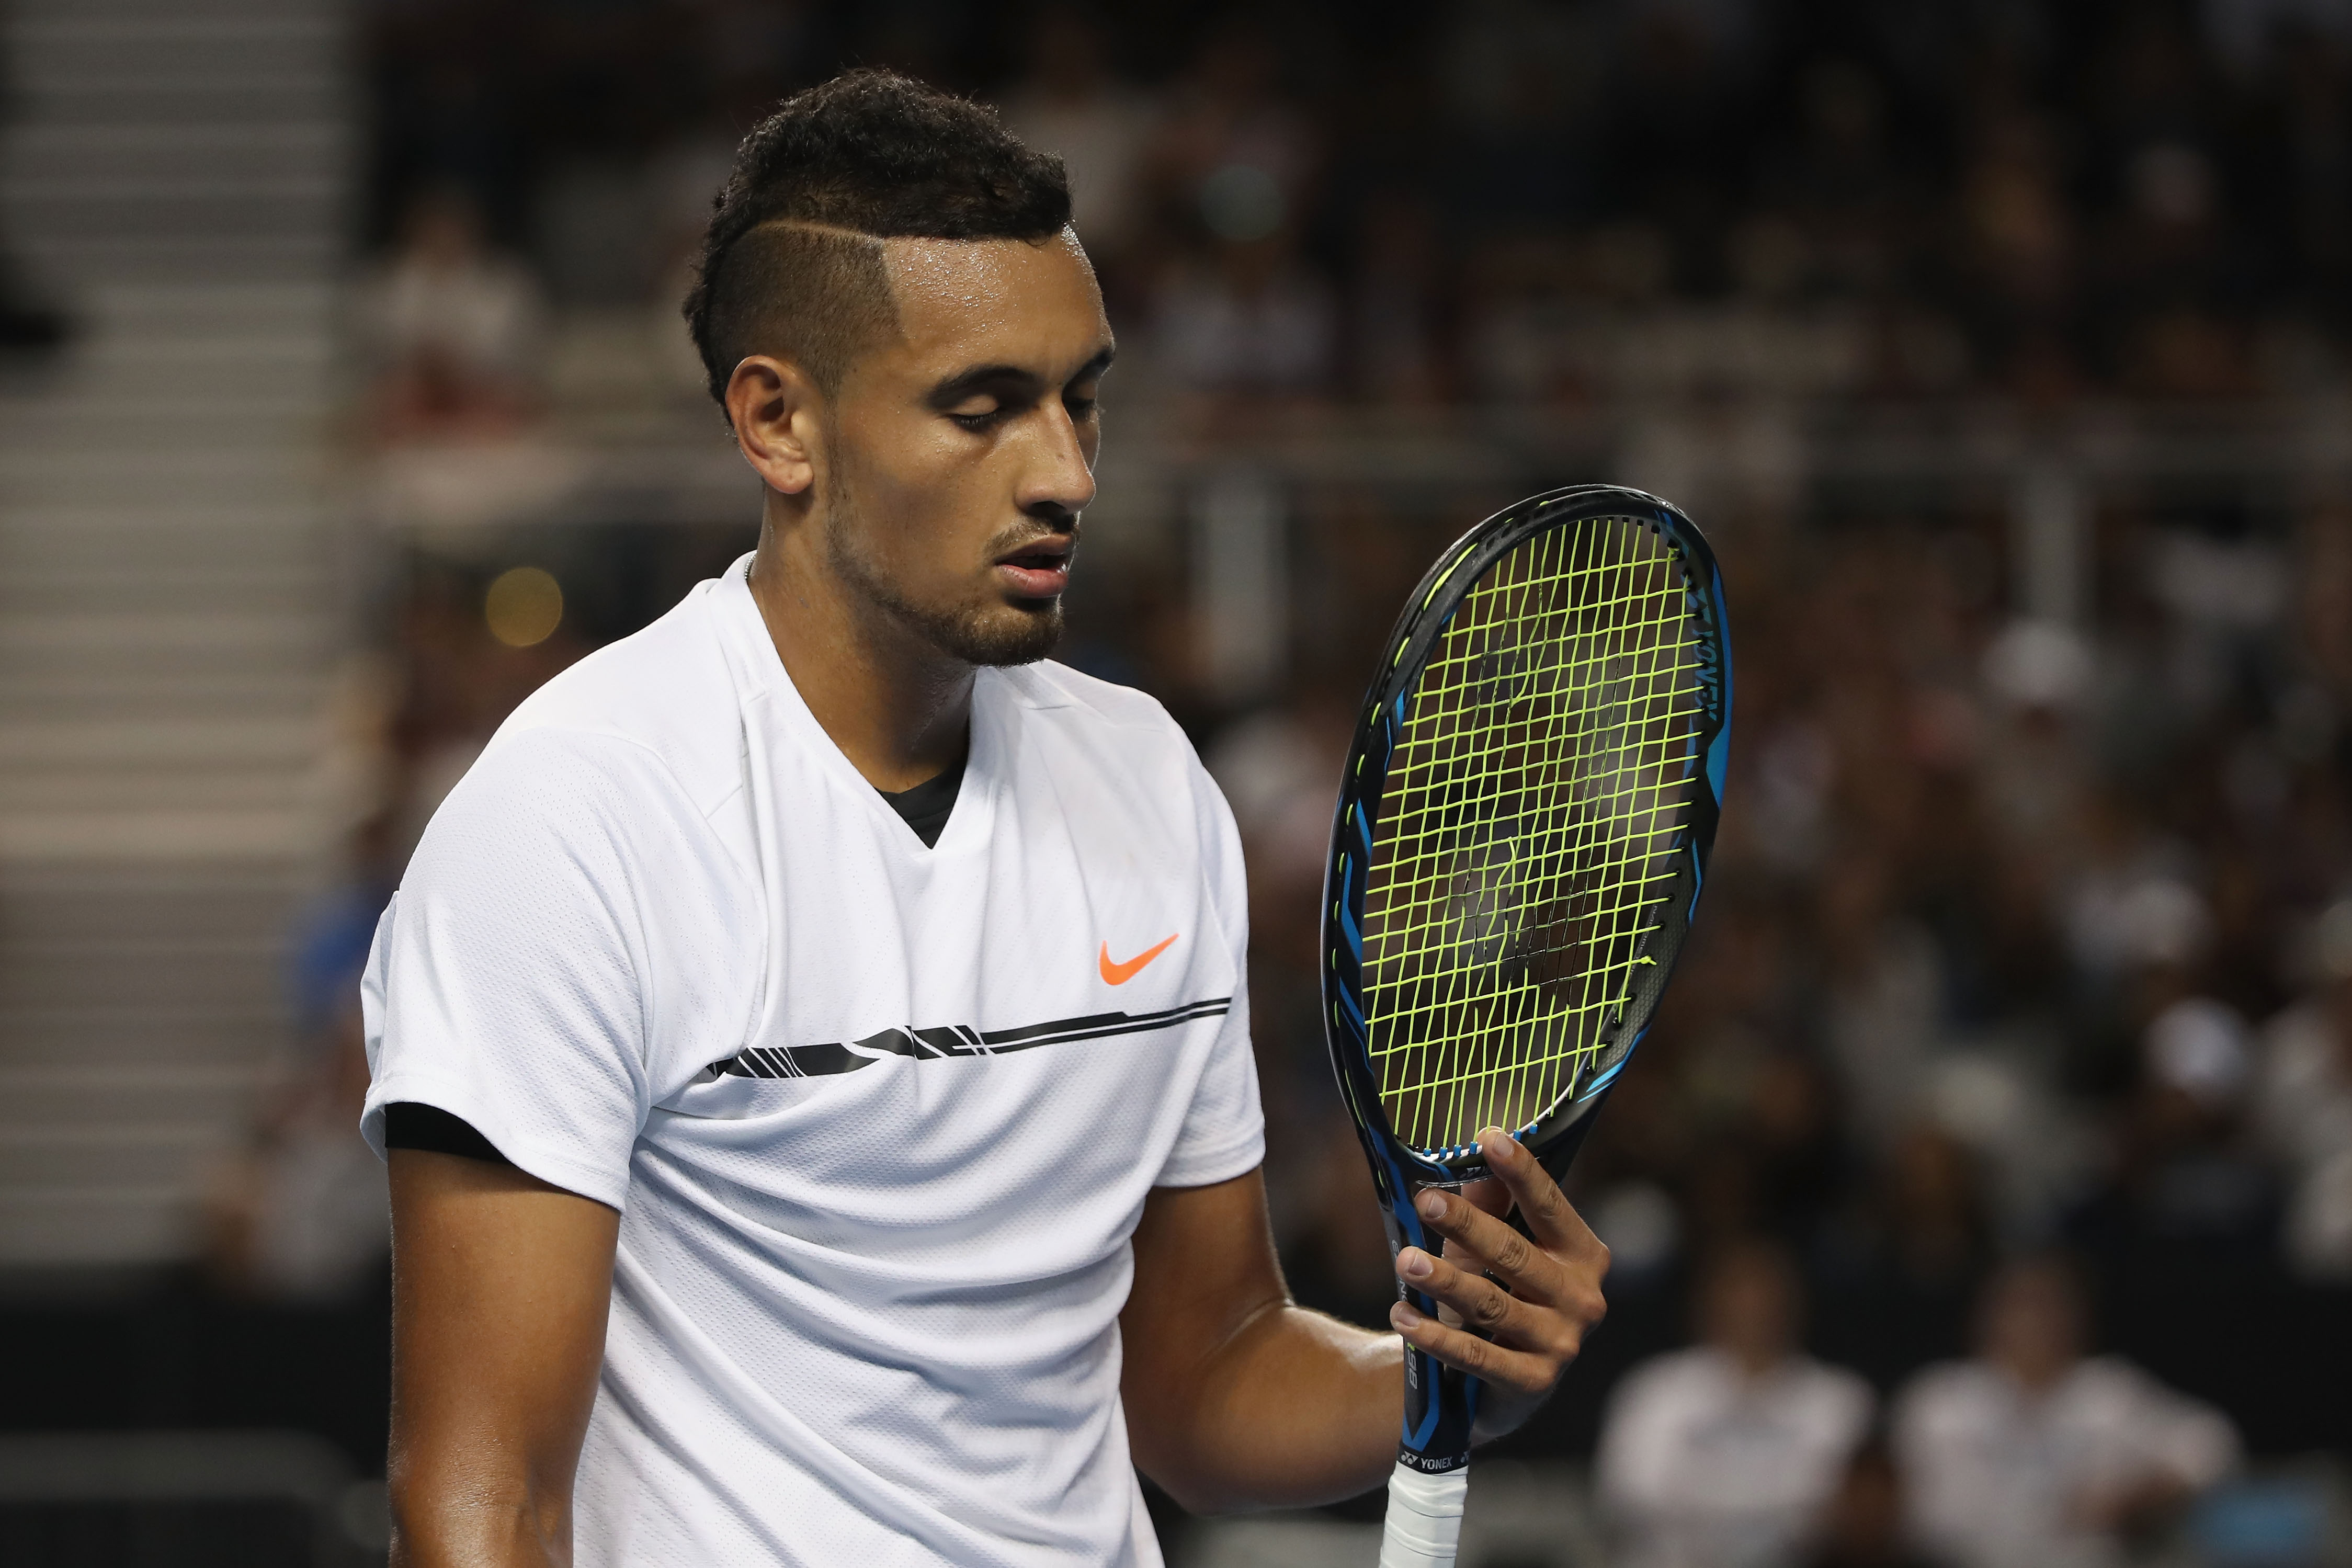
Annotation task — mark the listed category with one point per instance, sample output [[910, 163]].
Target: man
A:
[[1724, 1456], [2033, 1456], [812, 1041]]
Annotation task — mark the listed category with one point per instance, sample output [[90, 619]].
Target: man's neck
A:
[[1754, 1366], [2034, 1377], [899, 709]]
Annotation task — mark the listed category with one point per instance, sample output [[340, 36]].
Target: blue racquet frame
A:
[[1441, 1406]]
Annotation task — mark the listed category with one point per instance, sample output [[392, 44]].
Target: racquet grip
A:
[[1424, 1519]]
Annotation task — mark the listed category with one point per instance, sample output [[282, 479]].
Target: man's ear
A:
[[773, 405]]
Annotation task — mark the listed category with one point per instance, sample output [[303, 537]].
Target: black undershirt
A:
[[408, 1125], [926, 806]]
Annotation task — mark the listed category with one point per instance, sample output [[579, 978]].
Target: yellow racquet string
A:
[[1540, 783]]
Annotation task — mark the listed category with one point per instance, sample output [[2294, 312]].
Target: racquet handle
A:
[[1424, 1519]]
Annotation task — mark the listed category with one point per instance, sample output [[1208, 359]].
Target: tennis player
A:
[[812, 1044]]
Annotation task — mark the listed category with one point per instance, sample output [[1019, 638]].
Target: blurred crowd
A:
[[1496, 201], [1985, 1190], [2018, 1014]]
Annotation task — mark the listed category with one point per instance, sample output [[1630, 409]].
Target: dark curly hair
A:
[[791, 263]]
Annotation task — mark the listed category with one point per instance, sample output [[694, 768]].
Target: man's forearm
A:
[[1236, 1398], [454, 1533], [1296, 1408]]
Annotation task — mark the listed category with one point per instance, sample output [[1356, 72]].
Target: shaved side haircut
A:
[[792, 263]]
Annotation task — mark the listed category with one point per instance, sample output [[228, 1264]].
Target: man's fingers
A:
[[1527, 1267], [1488, 1196], [1479, 1304], [1551, 1219], [1524, 1372], [1464, 1257], [1512, 1308]]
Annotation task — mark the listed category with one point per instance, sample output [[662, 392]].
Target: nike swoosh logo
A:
[[1120, 974]]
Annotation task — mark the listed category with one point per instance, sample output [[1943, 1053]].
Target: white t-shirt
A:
[[1993, 1476], [879, 1119], [1704, 1466]]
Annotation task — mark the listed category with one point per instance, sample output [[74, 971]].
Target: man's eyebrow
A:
[[981, 378], [963, 383]]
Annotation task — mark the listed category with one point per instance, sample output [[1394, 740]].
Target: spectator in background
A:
[[1723, 1455], [2303, 1104], [1072, 106], [2033, 1455], [300, 1216], [1249, 317], [2018, 255], [1397, 311], [1863, 1526], [1230, 126], [1242, 310], [2185, 1171], [1895, 1277], [28, 324], [452, 330]]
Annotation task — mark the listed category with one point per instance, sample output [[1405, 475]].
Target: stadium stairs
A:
[[174, 174]]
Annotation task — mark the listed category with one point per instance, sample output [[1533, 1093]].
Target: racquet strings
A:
[[1542, 782]]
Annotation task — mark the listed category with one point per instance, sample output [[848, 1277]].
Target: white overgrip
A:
[[1424, 1519]]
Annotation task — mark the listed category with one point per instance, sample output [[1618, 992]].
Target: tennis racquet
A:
[[1521, 836]]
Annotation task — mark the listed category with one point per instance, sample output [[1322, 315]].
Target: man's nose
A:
[[1058, 479]]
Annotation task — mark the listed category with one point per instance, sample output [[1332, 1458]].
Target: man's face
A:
[[2033, 1324], [1748, 1311], [961, 452]]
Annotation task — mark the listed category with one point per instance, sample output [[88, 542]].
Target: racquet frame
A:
[[1441, 1404]]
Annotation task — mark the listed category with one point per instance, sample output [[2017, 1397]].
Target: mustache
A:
[[1021, 536]]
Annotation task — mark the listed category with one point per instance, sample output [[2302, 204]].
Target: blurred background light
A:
[[523, 606], [1242, 204]]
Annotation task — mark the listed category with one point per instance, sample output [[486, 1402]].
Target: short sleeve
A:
[[2184, 1438], [528, 976], [1634, 1469], [1223, 1133]]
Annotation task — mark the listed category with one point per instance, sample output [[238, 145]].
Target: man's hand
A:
[[1237, 1398], [1534, 1320]]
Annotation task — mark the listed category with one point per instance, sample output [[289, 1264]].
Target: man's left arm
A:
[[1237, 1398]]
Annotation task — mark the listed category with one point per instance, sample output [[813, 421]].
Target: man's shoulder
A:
[[2111, 1386], [668, 692], [1120, 739], [1049, 687], [1695, 1372], [1954, 1392], [1106, 725], [1834, 1390]]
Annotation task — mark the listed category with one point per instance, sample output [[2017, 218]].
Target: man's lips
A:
[[1040, 570]]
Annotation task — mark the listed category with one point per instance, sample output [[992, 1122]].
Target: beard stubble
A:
[[995, 635]]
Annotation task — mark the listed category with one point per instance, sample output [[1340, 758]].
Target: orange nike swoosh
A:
[[1120, 974]]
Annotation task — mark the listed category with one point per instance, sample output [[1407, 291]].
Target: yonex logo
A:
[[1706, 653], [1119, 973]]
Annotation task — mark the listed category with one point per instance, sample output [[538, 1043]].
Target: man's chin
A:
[[1022, 632], [995, 631]]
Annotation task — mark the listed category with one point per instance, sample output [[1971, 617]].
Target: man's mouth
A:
[[1040, 569]]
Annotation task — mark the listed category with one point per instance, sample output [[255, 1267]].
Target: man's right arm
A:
[[500, 1288]]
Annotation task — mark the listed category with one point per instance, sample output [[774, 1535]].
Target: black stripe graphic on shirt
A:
[[953, 1040]]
